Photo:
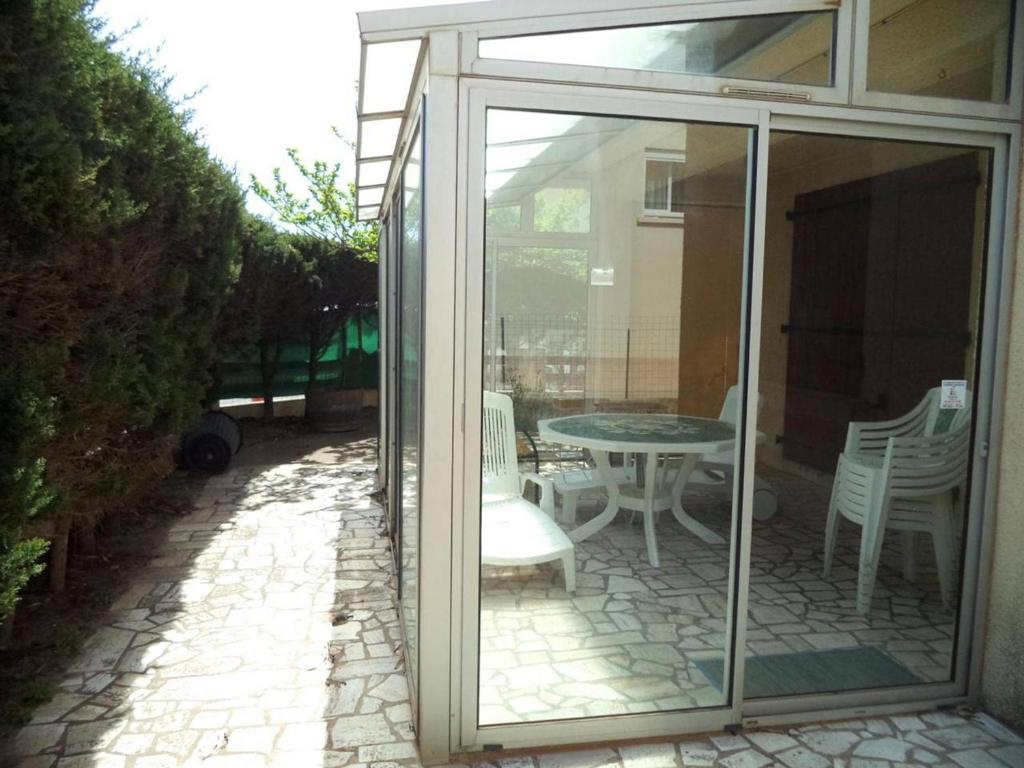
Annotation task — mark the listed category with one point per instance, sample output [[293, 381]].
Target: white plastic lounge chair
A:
[[515, 531], [905, 474]]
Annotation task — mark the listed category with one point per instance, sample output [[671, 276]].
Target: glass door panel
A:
[[411, 399], [615, 252], [874, 260]]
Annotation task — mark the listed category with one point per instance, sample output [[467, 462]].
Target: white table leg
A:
[[611, 509], [698, 529], [650, 484]]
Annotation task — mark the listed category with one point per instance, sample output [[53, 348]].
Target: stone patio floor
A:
[[264, 633], [635, 638]]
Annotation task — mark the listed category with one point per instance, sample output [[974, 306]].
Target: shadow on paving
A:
[[263, 633]]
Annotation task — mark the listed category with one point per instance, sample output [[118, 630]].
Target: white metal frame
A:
[[453, 243], [1011, 109], [440, 152], [837, 93]]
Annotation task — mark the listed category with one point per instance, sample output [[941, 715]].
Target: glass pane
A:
[[874, 258], [410, 397], [368, 197], [388, 75], [378, 137], [372, 174], [945, 48], [781, 47], [590, 329], [659, 176]]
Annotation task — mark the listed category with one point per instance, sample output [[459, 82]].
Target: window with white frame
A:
[[663, 183]]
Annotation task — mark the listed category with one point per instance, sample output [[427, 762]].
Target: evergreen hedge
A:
[[118, 239]]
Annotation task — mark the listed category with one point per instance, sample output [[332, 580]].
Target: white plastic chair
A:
[[718, 468], [515, 531], [924, 419], [909, 481], [573, 483]]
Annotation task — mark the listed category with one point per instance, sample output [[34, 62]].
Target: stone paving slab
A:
[[265, 635]]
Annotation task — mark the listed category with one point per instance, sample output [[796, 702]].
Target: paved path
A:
[[264, 634]]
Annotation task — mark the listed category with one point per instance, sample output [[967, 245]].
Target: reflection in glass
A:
[[410, 396], [504, 218], [562, 209], [872, 295], [782, 47], [945, 48], [589, 309], [663, 184]]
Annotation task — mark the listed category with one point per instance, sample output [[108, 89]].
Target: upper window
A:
[[949, 49], [792, 48], [663, 184]]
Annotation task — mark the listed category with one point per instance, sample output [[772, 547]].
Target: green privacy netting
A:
[[350, 362]]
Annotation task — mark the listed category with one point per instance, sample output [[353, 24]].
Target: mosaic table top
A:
[[641, 432]]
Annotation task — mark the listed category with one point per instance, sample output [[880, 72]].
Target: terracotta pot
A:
[[335, 410]]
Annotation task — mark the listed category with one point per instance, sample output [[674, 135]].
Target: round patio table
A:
[[651, 435]]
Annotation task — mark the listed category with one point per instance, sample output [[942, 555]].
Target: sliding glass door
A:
[[615, 252], [724, 387], [874, 269]]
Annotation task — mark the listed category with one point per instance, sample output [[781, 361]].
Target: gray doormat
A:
[[842, 669]]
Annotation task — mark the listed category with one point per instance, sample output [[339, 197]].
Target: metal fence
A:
[[574, 357], [349, 362]]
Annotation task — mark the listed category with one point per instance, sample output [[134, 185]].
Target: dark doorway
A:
[[880, 299]]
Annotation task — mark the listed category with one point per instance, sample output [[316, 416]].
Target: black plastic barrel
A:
[[211, 447]]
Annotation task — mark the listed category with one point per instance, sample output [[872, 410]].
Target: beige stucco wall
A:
[[1003, 668]]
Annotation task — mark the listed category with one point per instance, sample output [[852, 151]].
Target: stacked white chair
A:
[[719, 468], [905, 474]]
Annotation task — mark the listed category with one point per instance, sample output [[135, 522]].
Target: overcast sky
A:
[[272, 74]]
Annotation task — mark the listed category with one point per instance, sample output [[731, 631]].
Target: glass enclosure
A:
[[611, 354], [410, 397], [733, 373]]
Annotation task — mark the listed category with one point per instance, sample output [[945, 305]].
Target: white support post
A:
[[439, 220]]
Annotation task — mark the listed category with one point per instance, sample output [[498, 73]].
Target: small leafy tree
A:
[[341, 284], [267, 307], [338, 250], [327, 211]]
